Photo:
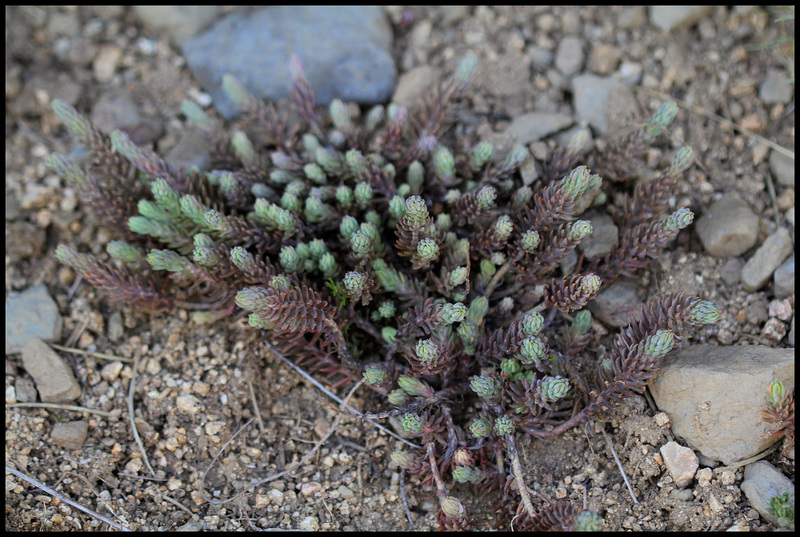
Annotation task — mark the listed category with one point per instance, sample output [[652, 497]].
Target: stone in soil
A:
[[413, 85], [728, 228], [70, 435], [776, 88], [346, 53], [782, 168], [759, 268], [670, 18], [569, 55], [762, 482], [618, 304], [714, 396], [731, 271], [605, 103], [53, 377], [681, 462], [533, 127], [784, 279], [604, 236], [30, 315]]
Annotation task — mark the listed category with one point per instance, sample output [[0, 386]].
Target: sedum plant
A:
[[386, 246]]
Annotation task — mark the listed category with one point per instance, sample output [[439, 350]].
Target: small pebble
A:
[[275, 496], [310, 523], [188, 404], [106, 63], [782, 309], [310, 488], [681, 462], [111, 371]]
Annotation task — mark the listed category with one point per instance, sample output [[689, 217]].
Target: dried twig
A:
[[131, 390], [113, 414], [66, 500], [518, 475], [749, 460], [88, 353], [256, 410], [619, 465], [404, 500]]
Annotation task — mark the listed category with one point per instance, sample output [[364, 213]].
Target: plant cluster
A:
[[780, 411], [783, 507], [392, 248]]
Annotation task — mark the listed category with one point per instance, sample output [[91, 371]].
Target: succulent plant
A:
[[397, 249]]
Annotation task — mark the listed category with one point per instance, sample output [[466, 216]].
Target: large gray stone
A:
[[714, 396], [729, 227], [346, 53]]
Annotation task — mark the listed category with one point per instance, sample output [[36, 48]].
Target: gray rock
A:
[[759, 268], [541, 57], [114, 327], [681, 463], [346, 53], [413, 85], [790, 337], [729, 227], [784, 279], [569, 55], [115, 110], [632, 17], [731, 271], [529, 171], [605, 103], [53, 377], [70, 435], [29, 315], [776, 88], [761, 483], [618, 304], [670, 18], [630, 73], [782, 168], [713, 396], [66, 24], [535, 126], [26, 390], [178, 22], [604, 236]]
